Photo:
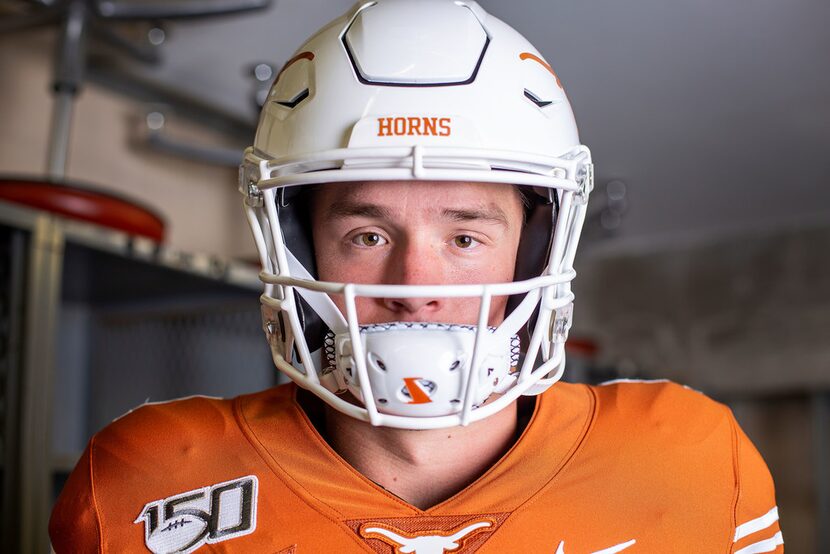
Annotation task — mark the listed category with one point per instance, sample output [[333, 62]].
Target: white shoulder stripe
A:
[[768, 545], [757, 524], [622, 380], [160, 402]]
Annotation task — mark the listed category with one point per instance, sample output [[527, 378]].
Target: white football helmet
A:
[[435, 90]]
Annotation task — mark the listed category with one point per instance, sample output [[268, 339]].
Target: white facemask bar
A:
[[416, 162], [553, 286]]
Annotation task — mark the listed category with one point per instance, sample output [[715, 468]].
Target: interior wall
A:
[[743, 314], [199, 202], [781, 427]]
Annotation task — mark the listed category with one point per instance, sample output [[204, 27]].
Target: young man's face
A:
[[417, 233]]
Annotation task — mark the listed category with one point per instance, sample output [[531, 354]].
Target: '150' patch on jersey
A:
[[182, 523]]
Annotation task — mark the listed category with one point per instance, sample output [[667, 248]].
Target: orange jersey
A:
[[625, 467]]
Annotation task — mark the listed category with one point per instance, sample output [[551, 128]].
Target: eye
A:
[[368, 240], [465, 241]]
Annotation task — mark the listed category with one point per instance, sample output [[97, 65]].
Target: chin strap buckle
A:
[[253, 196], [248, 178], [561, 324], [586, 184], [278, 332]]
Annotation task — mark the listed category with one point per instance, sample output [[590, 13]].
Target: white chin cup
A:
[[421, 369]]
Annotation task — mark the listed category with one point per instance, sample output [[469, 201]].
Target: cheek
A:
[[496, 266], [500, 268], [334, 265], [331, 267], [498, 307], [324, 254], [369, 310], [465, 310]]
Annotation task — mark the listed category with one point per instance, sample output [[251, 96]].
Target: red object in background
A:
[[586, 348], [85, 204]]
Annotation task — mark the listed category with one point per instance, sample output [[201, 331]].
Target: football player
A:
[[416, 191]]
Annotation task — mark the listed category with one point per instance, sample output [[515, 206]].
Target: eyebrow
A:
[[340, 210], [491, 213]]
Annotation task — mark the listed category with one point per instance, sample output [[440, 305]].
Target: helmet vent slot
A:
[[536, 100], [294, 101], [375, 360]]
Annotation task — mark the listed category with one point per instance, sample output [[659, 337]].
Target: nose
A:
[[414, 264], [415, 309]]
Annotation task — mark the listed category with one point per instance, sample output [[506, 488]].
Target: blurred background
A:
[[704, 258]]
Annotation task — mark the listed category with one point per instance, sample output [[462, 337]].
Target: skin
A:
[[419, 233]]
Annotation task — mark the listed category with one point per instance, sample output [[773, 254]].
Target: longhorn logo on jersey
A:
[[182, 523], [427, 535], [423, 544]]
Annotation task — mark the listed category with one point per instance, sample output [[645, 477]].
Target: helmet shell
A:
[[407, 72]]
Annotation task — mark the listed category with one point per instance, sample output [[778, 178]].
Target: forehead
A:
[[424, 196]]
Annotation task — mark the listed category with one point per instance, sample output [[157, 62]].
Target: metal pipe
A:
[[176, 9], [42, 310], [146, 53], [69, 69], [228, 157], [59, 134]]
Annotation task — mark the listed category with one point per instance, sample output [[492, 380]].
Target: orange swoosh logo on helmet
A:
[[301, 56], [546, 65]]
